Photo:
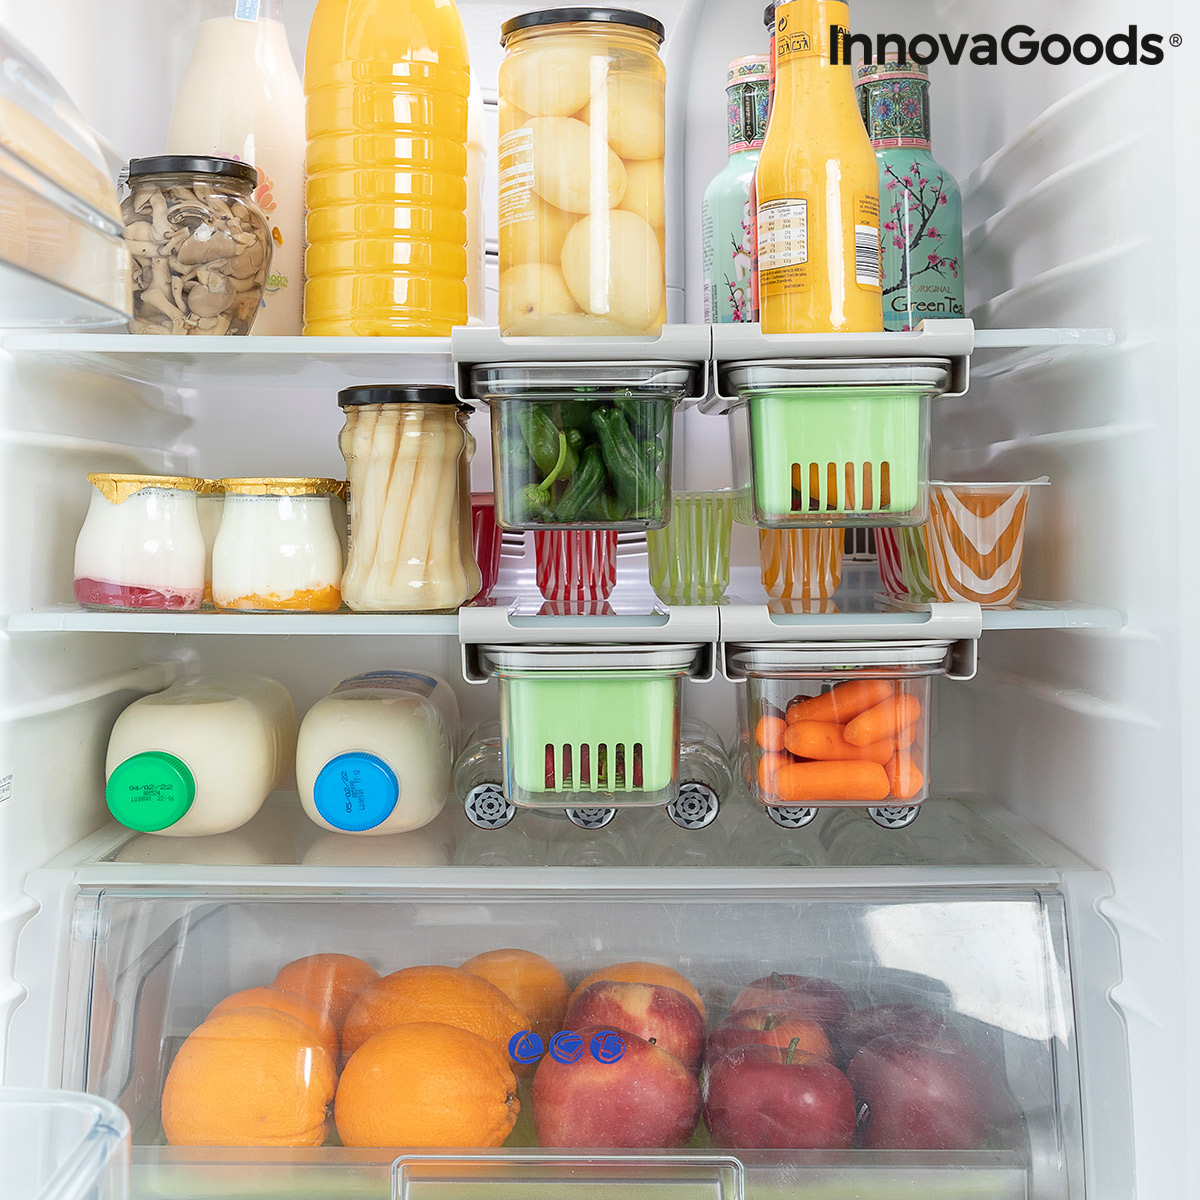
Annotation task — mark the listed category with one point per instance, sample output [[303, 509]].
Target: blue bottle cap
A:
[[356, 791]]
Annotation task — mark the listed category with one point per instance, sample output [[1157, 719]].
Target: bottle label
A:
[[895, 107], [747, 114], [868, 250], [247, 10], [399, 681], [515, 173], [782, 246], [804, 29]]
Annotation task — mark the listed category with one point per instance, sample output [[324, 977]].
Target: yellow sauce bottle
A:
[[818, 184]]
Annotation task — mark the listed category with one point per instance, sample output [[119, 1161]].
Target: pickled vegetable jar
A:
[[582, 138], [140, 546], [277, 548], [407, 450]]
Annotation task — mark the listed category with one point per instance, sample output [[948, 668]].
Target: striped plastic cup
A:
[[801, 564], [689, 559], [976, 534], [576, 564], [904, 562]]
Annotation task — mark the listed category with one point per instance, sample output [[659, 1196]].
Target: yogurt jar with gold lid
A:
[[140, 547], [277, 548]]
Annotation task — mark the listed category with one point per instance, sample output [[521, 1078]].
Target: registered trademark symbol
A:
[[1175, 40]]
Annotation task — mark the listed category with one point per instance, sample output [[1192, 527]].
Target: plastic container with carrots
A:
[[838, 725]]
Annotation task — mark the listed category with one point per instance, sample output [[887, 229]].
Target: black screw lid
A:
[[186, 164], [563, 16], [388, 393], [769, 15]]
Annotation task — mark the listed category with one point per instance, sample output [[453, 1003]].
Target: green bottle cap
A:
[[150, 791]]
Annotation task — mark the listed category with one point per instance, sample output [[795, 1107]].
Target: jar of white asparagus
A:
[[407, 451]]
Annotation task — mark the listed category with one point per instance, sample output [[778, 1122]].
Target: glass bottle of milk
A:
[[241, 97]]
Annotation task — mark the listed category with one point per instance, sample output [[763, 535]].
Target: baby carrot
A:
[[769, 732], [904, 776], [803, 783], [885, 720], [824, 740], [768, 766], [843, 702]]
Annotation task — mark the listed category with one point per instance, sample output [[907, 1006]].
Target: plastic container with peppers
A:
[[577, 456]]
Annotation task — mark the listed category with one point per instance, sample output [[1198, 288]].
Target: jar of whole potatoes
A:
[[582, 136]]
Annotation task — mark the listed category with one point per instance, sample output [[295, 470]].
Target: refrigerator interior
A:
[[1076, 182]]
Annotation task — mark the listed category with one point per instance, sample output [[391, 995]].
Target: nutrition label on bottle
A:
[[514, 167], [782, 246]]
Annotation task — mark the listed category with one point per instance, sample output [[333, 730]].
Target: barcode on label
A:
[[867, 255]]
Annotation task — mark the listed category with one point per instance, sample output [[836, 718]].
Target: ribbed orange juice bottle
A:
[[818, 184], [386, 85]]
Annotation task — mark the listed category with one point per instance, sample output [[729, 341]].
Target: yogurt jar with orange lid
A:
[[141, 547], [277, 548]]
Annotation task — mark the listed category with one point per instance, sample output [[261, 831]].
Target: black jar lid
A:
[[564, 16], [187, 164], [769, 15], [389, 393]]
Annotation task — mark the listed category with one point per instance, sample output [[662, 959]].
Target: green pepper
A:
[[542, 437], [534, 498], [633, 474], [645, 417], [607, 509], [575, 414], [585, 487]]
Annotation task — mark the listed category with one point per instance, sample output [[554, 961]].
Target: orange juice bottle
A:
[[818, 184], [386, 85]]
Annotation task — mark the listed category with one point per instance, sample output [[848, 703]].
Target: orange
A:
[[533, 983], [426, 1084], [643, 972], [285, 1002], [249, 1077], [444, 995], [330, 981]]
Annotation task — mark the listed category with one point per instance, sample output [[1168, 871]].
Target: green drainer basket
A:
[[591, 732], [840, 455]]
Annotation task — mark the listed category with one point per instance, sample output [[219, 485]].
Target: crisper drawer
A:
[[832, 1039]]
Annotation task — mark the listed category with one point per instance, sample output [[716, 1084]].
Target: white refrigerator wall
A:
[[1078, 185]]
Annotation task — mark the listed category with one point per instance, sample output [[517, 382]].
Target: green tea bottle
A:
[[726, 217], [920, 209]]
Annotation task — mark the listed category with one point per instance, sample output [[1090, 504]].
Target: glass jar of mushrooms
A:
[[407, 452], [201, 246], [582, 139]]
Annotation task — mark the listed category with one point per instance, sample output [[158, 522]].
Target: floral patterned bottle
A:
[[920, 208], [726, 221]]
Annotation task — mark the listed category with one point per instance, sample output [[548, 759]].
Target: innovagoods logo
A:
[[1019, 45]]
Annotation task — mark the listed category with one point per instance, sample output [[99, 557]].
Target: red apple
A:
[[818, 999], [865, 1024], [646, 1099], [924, 1093], [767, 1027], [758, 1100], [652, 1011]]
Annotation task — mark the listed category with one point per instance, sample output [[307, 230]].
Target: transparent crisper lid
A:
[[780, 659], [582, 381], [57, 1145], [532, 658], [982, 979]]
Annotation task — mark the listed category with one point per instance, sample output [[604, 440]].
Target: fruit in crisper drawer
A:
[[442, 994], [888, 719], [565, 160], [778, 1098], [826, 742], [532, 292], [810, 782], [285, 1002], [645, 1099], [924, 1092], [625, 283], [249, 1077], [643, 972], [817, 999], [330, 981], [536, 240], [865, 1024], [645, 193], [426, 1084], [634, 115], [767, 1027], [533, 983], [549, 80], [662, 1015], [842, 702]]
